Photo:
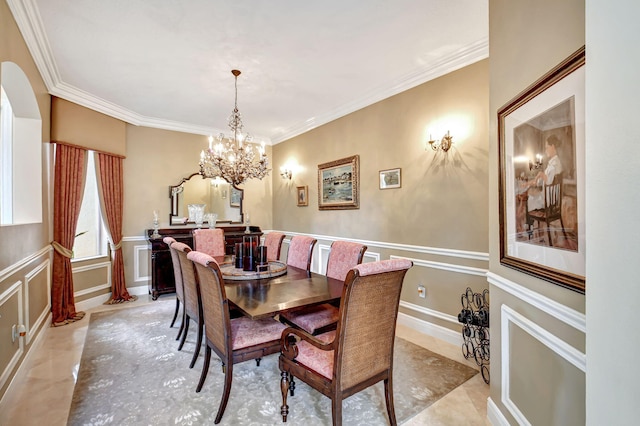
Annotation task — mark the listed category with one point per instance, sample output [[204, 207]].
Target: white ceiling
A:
[[167, 63]]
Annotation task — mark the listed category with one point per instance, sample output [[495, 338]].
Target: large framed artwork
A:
[[542, 177], [339, 184], [236, 196]]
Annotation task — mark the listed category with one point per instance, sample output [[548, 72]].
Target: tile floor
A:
[[41, 391]]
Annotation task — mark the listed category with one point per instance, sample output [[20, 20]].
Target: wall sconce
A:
[[537, 164], [444, 143], [285, 173]]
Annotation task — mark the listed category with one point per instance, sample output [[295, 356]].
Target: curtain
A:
[[110, 188], [69, 177]]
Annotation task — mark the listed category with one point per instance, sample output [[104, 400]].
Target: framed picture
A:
[[541, 142], [338, 184], [236, 196], [303, 195], [390, 179]]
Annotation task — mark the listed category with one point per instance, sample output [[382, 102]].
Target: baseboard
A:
[[430, 329], [494, 415], [94, 302]]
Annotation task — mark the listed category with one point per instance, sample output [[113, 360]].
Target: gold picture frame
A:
[[302, 195], [339, 184]]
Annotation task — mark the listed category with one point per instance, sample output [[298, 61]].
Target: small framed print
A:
[[303, 195], [390, 179]]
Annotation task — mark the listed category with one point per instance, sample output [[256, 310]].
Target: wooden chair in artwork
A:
[[209, 241], [359, 353], [192, 299], [552, 209], [233, 340], [300, 252], [344, 255], [177, 273], [273, 242]]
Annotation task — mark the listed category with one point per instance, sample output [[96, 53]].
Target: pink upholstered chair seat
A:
[[312, 318], [344, 255], [316, 359], [246, 332]]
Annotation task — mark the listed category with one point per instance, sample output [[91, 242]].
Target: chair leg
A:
[[284, 389], [228, 376], [292, 386], [388, 394], [185, 331], [205, 368], [175, 314], [181, 324], [336, 410], [549, 234], [196, 352]]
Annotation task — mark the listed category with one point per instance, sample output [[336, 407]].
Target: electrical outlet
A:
[[422, 292]]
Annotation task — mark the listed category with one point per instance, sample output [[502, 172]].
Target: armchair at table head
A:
[[233, 340], [300, 252], [209, 241], [273, 242], [192, 302], [359, 353], [344, 255], [177, 274]]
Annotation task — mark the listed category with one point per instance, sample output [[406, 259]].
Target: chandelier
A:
[[233, 158]]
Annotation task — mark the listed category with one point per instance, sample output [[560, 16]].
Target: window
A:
[[91, 235], [20, 149], [6, 166]]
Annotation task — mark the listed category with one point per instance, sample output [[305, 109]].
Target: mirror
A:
[[219, 196]]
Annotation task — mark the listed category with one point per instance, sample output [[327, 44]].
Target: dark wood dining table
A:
[[266, 297]]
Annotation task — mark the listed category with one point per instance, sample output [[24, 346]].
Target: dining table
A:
[[262, 295]]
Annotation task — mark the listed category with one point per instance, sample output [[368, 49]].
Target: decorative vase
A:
[[196, 213]]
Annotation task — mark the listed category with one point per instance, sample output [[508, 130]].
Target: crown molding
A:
[[28, 19], [466, 56]]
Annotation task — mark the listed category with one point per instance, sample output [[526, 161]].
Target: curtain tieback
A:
[[115, 247], [62, 250]]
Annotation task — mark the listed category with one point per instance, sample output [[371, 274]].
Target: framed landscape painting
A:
[[541, 141], [338, 184]]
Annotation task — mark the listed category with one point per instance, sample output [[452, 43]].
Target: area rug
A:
[[131, 373]]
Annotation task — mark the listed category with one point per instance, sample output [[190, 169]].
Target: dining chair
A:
[[273, 242], [209, 241], [177, 273], [343, 256], [233, 340], [551, 210], [192, 298], [300, 252], [359, 353]]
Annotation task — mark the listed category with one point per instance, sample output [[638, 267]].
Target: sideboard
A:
[[162, 278]]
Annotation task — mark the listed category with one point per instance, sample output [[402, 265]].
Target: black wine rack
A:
[[475, 330]]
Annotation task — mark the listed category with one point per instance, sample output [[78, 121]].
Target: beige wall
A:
[[527, 39], [81, 126], [24, 252], [439, 215]]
